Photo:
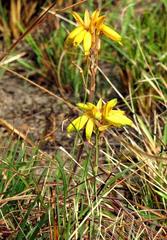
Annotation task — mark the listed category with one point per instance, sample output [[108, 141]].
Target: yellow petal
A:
[[77, 124], [116, 112], [89, 129], [97, 114], [94, 18], [110, 33], [78, 18], [103, 127], [99, 104], [85, 107], [75, 32], [79, 38], [112, 103], [86, 19], [91, 105], [118, 120], [108, 106], [100, 21], [87, 43], [95, 15]]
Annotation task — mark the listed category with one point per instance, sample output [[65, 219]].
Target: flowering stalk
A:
[[95, 118], [88, 32], [93, 70]]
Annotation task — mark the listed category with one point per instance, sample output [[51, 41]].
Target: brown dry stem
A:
[[93, 68]]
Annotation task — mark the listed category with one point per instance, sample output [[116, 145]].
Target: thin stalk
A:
[[80, 151], [93, 68], [91, 222], [96, 154]]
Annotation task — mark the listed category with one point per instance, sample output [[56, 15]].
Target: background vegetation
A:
[[40, 196]]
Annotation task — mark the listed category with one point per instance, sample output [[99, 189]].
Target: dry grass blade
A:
[[12, 59], [29, 10], [17, 198], [36, 22], [15, 17], [10, 127]]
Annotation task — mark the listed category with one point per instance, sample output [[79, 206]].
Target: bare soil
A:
[[32, 112]]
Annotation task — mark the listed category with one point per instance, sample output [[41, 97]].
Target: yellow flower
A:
[[88, 120], [89, 30], [115, 118], [100, 116]]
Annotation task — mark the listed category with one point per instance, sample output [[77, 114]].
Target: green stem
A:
[[80, 151], [96, 154]]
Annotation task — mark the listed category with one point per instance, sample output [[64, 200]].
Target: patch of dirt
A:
[[32, 112]]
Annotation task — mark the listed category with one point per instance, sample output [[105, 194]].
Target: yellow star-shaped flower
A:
[[89, 30], [100, 116]]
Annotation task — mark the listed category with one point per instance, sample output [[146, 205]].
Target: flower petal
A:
[[85, 107], [75, 32], [118, 120], [89, 129], [77, 124], [91, 105], [112, 103], [108, 106], [79, 38], [99, 104], [116, 112], [87, 43], [97, 114], [95, 15], [78, 18], [87, 19], [100, 21], [102, 128], [110, 33]]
